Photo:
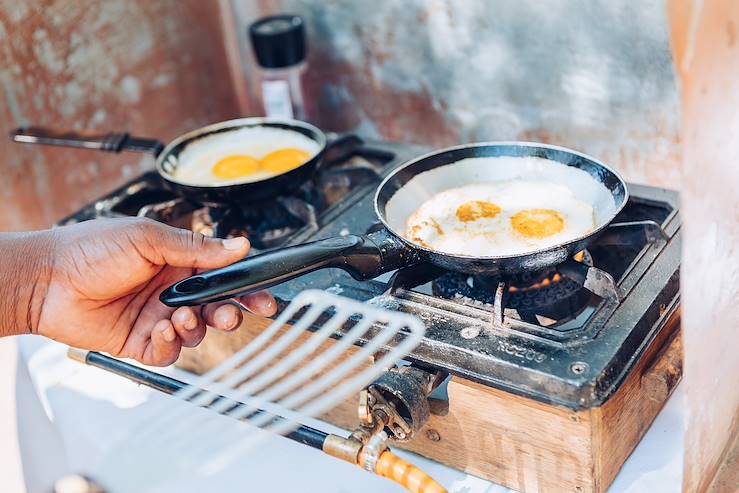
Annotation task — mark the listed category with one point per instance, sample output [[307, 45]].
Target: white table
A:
[[68, 413]]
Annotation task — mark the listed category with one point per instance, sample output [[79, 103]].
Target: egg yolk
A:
[[477, 209], [284, 160], [538, 223], [235, 167]]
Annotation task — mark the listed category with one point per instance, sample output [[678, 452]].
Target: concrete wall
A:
[[707, 51], [156, 68], [595, 75]]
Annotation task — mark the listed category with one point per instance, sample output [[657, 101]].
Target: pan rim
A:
[[234, 123], [381, 217]]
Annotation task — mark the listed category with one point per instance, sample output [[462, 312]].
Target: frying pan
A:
[[167, 157], [398, 196]]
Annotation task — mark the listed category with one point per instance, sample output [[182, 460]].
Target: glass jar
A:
[[280, 50]]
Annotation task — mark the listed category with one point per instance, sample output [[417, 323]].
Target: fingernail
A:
[[191, 324], [238, 243], [168, 334], [225, 318]]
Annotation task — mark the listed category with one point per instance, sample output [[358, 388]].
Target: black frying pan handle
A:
[[363, 257], [111, 142]]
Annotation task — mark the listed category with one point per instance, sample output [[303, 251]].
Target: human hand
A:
[[99, 288]]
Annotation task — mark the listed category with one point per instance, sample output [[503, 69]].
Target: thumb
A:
[[183, 248]]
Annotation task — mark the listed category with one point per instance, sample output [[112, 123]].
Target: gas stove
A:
[[555, 374], [562, 336]]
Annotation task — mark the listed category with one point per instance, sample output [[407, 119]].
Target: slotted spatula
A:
[[273, 385]]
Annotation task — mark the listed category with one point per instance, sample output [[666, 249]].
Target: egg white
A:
[[436, 225], [196, 161]]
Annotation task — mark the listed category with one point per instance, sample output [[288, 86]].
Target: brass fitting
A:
[[79, 355], [364, 410], [371, 451], [343, 448]]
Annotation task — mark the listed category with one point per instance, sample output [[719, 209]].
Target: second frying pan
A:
[[398, 196], [167, 157]]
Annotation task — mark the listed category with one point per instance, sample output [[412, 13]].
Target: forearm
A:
[[25, 267]]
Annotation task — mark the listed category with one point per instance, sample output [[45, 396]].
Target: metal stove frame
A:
[[479, 343], [577, 372]]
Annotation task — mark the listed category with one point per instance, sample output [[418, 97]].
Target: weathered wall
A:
[[156, 68], [595, 75], [706, 40]]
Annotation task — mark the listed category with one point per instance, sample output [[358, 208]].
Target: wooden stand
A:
[[514, 441]]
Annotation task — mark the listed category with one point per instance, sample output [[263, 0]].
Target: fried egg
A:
[[500, 218], [242, 156], [284, 160]]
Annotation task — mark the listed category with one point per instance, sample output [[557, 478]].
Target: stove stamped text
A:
[[520, 351]]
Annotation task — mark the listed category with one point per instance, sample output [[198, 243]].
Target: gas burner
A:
[[267, 225], [549, 298], [557, 300]]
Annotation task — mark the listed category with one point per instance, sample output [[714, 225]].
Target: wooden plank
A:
[[514, 441], [622, 421]]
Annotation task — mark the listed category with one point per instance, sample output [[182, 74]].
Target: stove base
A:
[[512, 440]]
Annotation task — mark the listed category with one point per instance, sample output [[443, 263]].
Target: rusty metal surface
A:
[[596, 76], [154, 68]]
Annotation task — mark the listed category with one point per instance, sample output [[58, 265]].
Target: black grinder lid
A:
[[278, 41]]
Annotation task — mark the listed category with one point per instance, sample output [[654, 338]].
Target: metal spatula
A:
[[273, 384]]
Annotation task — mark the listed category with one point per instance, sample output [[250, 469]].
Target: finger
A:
[[260, 303], [164, 347], [224, 316], [189, 326], [148, 314], [182, 248]]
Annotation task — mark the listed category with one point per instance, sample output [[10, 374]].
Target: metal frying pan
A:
[[397, 197], [167, 157]]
